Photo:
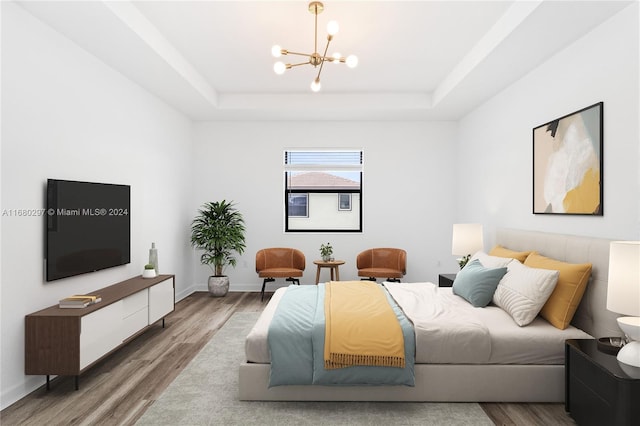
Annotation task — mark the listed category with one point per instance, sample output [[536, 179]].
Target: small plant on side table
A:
[[326, 251]]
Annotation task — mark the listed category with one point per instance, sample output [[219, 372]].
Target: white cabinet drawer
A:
[[134, 303], [135, 311], [100, 333], [134, 323], [161, 300]]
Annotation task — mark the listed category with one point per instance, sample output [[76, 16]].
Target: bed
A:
[[504, 375]]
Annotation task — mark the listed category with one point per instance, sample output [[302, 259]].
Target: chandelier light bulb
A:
[[333, 28], [276, 51], [352, 61], [279, 67], [315, 85]]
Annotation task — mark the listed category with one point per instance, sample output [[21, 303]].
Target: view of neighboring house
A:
[[322, 200]]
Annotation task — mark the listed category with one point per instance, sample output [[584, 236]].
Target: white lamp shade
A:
[[467, 239], [623, 291]]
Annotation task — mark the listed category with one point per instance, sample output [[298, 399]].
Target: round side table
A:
[[333, 265]]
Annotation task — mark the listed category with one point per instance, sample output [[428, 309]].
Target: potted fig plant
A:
[[218, 229]]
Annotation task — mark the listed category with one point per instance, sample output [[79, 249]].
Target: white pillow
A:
[[490, 261], [524, 290]]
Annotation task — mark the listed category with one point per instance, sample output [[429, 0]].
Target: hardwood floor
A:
[[120, 388]]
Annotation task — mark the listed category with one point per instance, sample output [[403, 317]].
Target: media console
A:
[[69, 341]]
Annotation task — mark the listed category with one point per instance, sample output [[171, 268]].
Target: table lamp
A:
[[467, 239], [623, 295]]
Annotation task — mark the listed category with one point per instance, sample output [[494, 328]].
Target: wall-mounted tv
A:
[[88, 227]]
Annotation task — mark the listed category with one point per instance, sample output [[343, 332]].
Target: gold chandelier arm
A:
[[324, 55], [315, 37], [296, 53], [332, 59], [297, 65]]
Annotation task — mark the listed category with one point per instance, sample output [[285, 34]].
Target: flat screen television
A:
[[88, 227]]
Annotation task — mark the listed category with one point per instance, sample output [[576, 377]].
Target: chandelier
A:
[[314, 59]]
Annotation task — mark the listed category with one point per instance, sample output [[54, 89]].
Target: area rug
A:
[[206, 393]]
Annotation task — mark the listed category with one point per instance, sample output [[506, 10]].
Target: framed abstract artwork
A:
[[567, 164]]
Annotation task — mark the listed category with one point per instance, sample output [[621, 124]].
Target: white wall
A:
[[408, 191], [497, 189], [66, 115]]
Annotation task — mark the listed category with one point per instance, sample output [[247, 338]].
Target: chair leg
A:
[[264, 283], [394, 280], [295, 281], [368, 279]]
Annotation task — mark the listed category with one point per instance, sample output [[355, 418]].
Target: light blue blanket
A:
[[296, 345]]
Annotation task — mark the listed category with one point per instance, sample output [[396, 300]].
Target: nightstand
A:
[[446, 280], [598, 389]]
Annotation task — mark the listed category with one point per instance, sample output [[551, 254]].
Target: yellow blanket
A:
[[361, 327]]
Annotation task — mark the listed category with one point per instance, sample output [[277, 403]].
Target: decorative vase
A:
[[218, 286], [326, 258], [153, 257]]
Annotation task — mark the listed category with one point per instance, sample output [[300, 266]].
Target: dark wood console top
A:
[[109, 295]]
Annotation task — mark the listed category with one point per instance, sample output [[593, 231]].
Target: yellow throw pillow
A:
[[505, 252], [572, 282]]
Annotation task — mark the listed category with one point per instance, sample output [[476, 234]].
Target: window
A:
[[298, 205], [344, 201], [316, 181]]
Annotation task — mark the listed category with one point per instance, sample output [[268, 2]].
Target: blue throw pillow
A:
[[477, 284]]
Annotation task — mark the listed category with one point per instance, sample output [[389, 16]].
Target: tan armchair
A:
[[388, 263], [279, 262]]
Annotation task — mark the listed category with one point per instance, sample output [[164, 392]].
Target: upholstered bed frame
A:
[[480, 383]]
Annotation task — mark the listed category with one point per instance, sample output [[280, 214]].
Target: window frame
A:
[[328, 167]]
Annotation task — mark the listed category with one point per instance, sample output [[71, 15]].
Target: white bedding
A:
[[449, 330]]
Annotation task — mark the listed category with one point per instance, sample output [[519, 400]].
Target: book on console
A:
[[79, 301]]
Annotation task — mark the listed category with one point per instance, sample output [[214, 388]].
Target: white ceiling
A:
[[418, 60]]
